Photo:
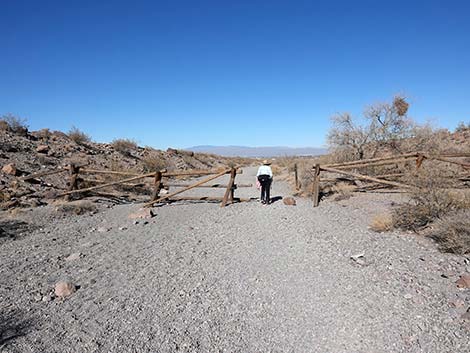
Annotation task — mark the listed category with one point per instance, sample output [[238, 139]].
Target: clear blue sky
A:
[[182, 73]]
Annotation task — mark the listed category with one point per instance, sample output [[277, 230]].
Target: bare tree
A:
[[386, 124]]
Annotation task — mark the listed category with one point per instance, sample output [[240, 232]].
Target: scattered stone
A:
[[289, 201], [122, 228], [42, 149], [457, 303], [48, 297], [136, 222], [359, 259], [463, 281], [74, 256], [64, 289], [408, 296], [103, 230], [10, 169], [143, 213], [146, 222]]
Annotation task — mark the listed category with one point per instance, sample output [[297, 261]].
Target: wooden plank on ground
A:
[[208, 198]]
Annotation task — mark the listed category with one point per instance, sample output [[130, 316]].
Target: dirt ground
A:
[[245, 278]]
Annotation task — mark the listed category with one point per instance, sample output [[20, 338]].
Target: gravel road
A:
[[246, 278]]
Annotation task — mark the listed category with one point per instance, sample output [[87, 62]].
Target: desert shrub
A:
[[78, 136], [381, 222], [462, 127], [153, 162], [44, 134], [430, 198], [124, 146], [343, 190], [10, 122], [452, 232]]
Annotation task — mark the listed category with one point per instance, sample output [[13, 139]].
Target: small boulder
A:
[[463, 281], [10, 169], [64, 289], [143, 213], [289, 201], [42, 149]]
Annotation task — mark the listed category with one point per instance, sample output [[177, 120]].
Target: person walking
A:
[[265, 178]]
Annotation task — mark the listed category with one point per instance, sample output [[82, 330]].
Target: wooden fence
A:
[[343, 169], [160, 180]]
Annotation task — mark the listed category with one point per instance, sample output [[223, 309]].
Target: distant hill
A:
[[244, 151]]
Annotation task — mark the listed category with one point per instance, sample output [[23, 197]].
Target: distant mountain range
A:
[[245, 151]]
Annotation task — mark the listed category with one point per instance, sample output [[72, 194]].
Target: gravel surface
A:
[[246, 278]]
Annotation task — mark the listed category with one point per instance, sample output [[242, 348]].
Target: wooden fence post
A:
[[74, 170], [316, 185], [296, 177], [229, 191], [419, 160], [157, 185], [234, 186]]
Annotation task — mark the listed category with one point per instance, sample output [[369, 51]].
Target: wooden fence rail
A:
[[157, 185], [338, 168]]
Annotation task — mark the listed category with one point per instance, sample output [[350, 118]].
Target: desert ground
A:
[[245, 278]]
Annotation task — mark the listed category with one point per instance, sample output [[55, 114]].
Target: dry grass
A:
[[452, 232], [381, 222], [124, 146], [343, 191], [78, 136], [430, 199], [9, 122], [153, 162]]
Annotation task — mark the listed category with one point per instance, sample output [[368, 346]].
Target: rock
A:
[[74, 256], [103, 230], [10, 169], [289, 201], [42, 149], [64, 289], [122, 228], [143, 213], [463, 281], [466, 316], [359, 259], [408, 296], [457, 303], [48, 298]]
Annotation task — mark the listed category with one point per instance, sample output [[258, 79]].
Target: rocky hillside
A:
[[23, 153]]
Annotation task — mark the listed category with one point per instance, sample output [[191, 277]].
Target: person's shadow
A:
[[275, 198]]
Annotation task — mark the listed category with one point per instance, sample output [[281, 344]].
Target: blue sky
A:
[[258, 73]]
